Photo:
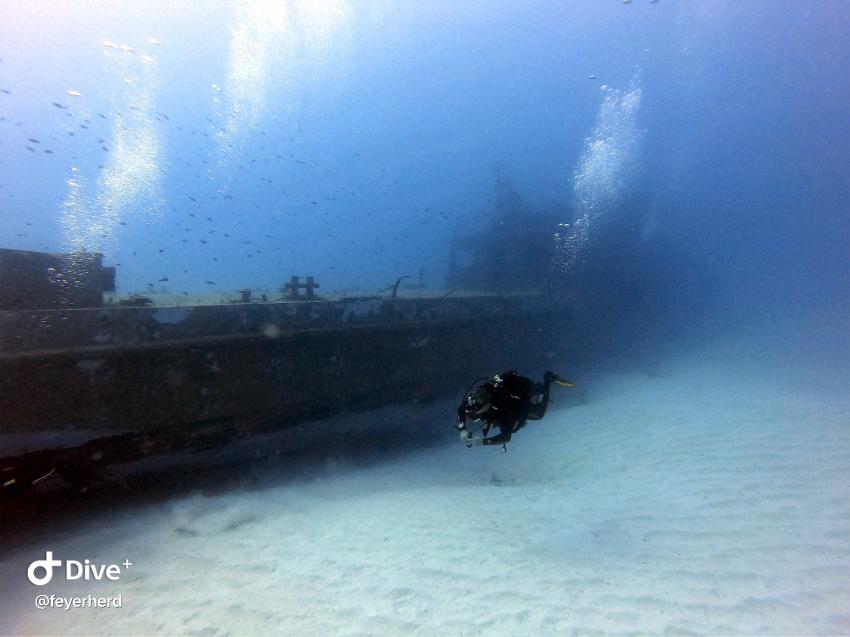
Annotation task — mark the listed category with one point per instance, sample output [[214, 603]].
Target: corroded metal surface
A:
[[30, 280], [27, 331], [149, 368]]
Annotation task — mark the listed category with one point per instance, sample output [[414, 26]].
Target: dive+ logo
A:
[[40, 572]]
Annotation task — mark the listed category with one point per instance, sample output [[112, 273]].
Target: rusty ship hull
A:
[[141, 383], [148, 368], [89, 380]]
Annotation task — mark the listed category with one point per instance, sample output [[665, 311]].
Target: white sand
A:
[[692, 497]]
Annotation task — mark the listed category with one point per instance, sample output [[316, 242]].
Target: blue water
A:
[[353, 141], [688, 163]]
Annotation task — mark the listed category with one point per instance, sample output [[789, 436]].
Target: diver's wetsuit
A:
[[514, 399]]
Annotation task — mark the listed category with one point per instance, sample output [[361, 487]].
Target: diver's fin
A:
[[563, 382]]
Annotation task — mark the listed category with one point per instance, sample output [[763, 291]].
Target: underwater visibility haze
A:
[[673, 177]]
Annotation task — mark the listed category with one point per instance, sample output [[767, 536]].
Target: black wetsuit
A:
[[514, 399]]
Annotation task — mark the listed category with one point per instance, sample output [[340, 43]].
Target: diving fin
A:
[[563, 382]]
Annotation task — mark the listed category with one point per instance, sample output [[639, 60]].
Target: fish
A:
[[74, 93], [58, 105], [165, 278], [210, 282], [149, 59], [33, 140], [154, 41], [6, 91], [161, 251]]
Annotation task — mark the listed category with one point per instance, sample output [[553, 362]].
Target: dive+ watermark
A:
[[40, 572]]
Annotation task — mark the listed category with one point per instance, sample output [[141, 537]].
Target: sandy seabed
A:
[[692, 497]]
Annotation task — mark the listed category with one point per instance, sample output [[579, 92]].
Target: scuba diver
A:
[[507, 400]]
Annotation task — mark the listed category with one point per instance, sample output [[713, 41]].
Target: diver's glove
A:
[[471, 439]]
